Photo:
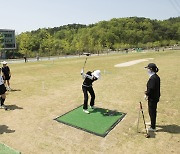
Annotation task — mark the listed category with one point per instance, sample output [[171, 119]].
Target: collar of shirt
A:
[[151, 74]]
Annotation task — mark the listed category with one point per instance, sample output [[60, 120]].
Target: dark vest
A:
[[153, 88]]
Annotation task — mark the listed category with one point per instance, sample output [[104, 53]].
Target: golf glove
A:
[[82, 71], [146, 97]]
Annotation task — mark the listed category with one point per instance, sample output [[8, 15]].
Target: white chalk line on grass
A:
[[133, 62]]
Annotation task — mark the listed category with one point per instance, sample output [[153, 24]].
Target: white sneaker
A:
[[86, 111], [151, 129], [3, 107], [92, 107], [148, 123]]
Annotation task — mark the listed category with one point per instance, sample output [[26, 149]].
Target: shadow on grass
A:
[[174, 129], [5, 129], [13, 107], [152, 134], [13, 90], [106, 112]]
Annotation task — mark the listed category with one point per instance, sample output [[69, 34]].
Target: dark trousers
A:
[[2, 101], [85, 91], [152, 106]]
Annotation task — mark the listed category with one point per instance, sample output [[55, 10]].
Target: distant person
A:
[[37, 57], [25, 59], [6, 75], [152, 94], [2, 91], [89, 78], [126, 51]]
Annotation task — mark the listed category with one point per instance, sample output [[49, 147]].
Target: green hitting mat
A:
[[4, 149], [99, 122]]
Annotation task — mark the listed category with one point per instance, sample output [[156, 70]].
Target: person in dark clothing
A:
[[89, 78], [152, 94], [25, 59], [6, 75], [2, 91]]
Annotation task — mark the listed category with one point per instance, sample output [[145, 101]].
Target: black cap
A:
[[152, 67]]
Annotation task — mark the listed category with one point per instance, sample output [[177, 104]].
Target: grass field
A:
[[46, 89]]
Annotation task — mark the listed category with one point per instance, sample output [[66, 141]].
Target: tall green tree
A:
[[115, 34]]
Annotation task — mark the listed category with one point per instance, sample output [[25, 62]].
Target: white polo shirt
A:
[[1, 80]]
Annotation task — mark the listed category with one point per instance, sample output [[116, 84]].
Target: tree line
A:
[[115, 34]]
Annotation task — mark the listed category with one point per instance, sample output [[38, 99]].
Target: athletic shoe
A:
[[148, 123], [8, 88], [3, 107], [151, 129], [92, 107], [86, 111]]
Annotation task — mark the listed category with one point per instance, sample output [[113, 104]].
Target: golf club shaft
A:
[[84, 63], [138, 122], [143, 117]]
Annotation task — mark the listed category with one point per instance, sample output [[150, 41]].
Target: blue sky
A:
[[27, 15]]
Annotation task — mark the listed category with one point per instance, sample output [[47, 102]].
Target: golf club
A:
[[138, 122], [147, 135], [87, 54]]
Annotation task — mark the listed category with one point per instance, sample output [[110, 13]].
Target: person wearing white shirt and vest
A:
[[2, 91], [89, 78], [152, 94]]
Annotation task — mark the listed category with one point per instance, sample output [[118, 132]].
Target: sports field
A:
[[45, 90]]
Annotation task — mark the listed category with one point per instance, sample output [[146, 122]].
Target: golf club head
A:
[[86, 53], [147, 136]]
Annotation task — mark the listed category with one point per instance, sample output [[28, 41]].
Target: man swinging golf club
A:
[[89, 78]]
